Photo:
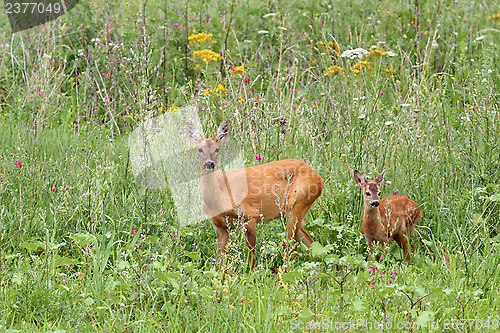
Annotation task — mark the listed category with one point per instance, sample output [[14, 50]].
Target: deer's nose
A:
[[209, 166], [375, 203]]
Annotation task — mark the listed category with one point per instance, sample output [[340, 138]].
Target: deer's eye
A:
[[379, 194], [216, 150], [200, 150], [367, 194]]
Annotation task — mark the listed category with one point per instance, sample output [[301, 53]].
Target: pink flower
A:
[[18, 164], [396, 192], [207, 20], [53, 189], [39, 93], [246, 80], [321, 21], [283, 244], [372, 269], [303, 31], [382, 94], [133, 232], [64, 190], [258, 158]]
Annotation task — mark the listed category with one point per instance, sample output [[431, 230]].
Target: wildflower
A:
[[396, 192], [356, 53], [372, 269], [382, 94], [489, 71], [39, 93], [333, 70], [390, 70], [237, 70], [18, 164], [133, 232], [258, 158], [483, 81], [53, 189], [246, 80], [200, 38], [207, 20], [206, 55], [220, 89]]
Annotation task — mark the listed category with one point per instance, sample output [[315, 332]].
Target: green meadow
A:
[[411, 86]]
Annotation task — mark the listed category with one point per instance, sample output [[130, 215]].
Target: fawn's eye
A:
[[200, 150], [379, 194], [216, 150], [367, 194]]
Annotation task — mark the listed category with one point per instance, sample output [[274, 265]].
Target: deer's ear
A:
[[380, 177], [192, 133], [359, 178], [223, 131]]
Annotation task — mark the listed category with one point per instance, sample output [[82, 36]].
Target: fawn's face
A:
[[208, 149], [371, 190]]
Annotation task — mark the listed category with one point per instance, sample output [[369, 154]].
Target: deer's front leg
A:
[[251, 235], [223, 238]]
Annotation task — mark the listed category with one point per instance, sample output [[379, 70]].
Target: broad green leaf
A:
[[194, 256], [306, 315], [64, 261]]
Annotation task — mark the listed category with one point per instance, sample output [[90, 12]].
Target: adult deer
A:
[[255, 194], [384, 220]]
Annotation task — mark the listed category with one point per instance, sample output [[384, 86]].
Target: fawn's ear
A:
[[359, 178], [223, 131], [192, 133], [380, 177]]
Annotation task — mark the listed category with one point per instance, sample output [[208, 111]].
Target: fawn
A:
[[255, 194], [384, 220]]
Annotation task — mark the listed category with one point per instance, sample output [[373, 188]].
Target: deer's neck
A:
[[370, 214], [210, 191]]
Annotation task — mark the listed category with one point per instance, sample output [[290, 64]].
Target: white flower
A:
[[356, 53]]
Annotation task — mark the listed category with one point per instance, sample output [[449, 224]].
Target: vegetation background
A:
[[83, 248]]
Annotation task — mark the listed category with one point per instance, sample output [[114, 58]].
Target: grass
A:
[[83, 248]]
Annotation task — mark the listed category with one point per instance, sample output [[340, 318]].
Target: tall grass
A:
[[83, 248]]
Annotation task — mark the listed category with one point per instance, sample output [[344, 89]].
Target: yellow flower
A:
[[237, 70], [280, 279], [200, 38], [314, 63], [390, 70], [220, 89], [333, 70], [206, 55]]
